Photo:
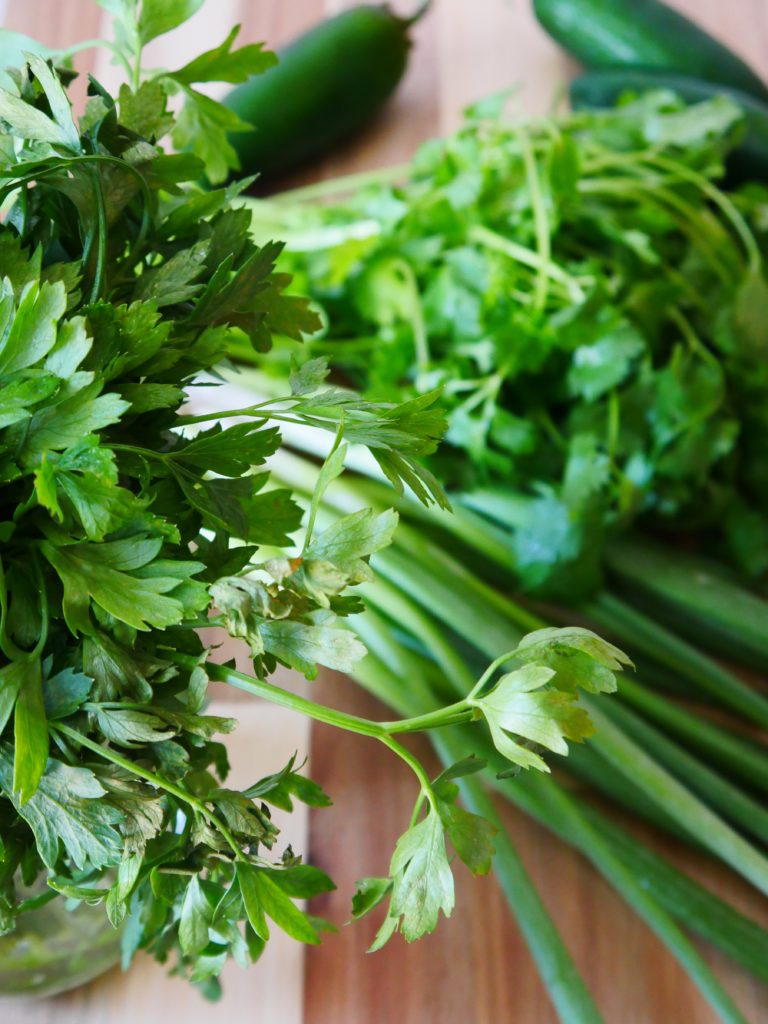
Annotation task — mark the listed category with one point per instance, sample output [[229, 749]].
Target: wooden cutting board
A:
[[475, 969]]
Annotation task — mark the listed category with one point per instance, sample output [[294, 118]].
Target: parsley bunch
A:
[[129, 522]]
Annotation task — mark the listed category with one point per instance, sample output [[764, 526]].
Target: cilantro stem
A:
[[155, 780], [520, 254], [694, 342], [720, 200], [613, 425], [540, 220], [686, 217], [421, 345]]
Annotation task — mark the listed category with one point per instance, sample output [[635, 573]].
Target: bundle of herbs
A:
[[592, 303], [129, 521]]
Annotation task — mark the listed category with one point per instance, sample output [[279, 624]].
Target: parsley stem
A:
[[44, 613], [92, 44], [155, 780], [291, 701], [8, 647], [101, 235], [458, 712], [351, 723], [415, 765], [454, 714], [488, 674]]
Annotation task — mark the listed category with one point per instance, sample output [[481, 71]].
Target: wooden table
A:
[[475, 969]]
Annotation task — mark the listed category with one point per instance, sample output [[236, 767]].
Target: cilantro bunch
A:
[[591, 300], [128, 522], [591, 303]]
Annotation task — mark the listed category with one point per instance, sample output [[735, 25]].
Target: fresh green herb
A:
[[588, 298], [129, 521], [589, 301]]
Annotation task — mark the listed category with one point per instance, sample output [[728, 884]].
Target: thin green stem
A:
[[723, 203], [651, 194], [451, 715], [488, 239], [44, 612], [291, 701], [540, 220], [8, 647], [101, 236], [415, 765], [695, 343], [155, 780]]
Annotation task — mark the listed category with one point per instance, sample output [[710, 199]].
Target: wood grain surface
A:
[[475, 969]]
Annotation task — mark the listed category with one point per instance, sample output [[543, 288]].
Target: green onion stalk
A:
[[433, 621]]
